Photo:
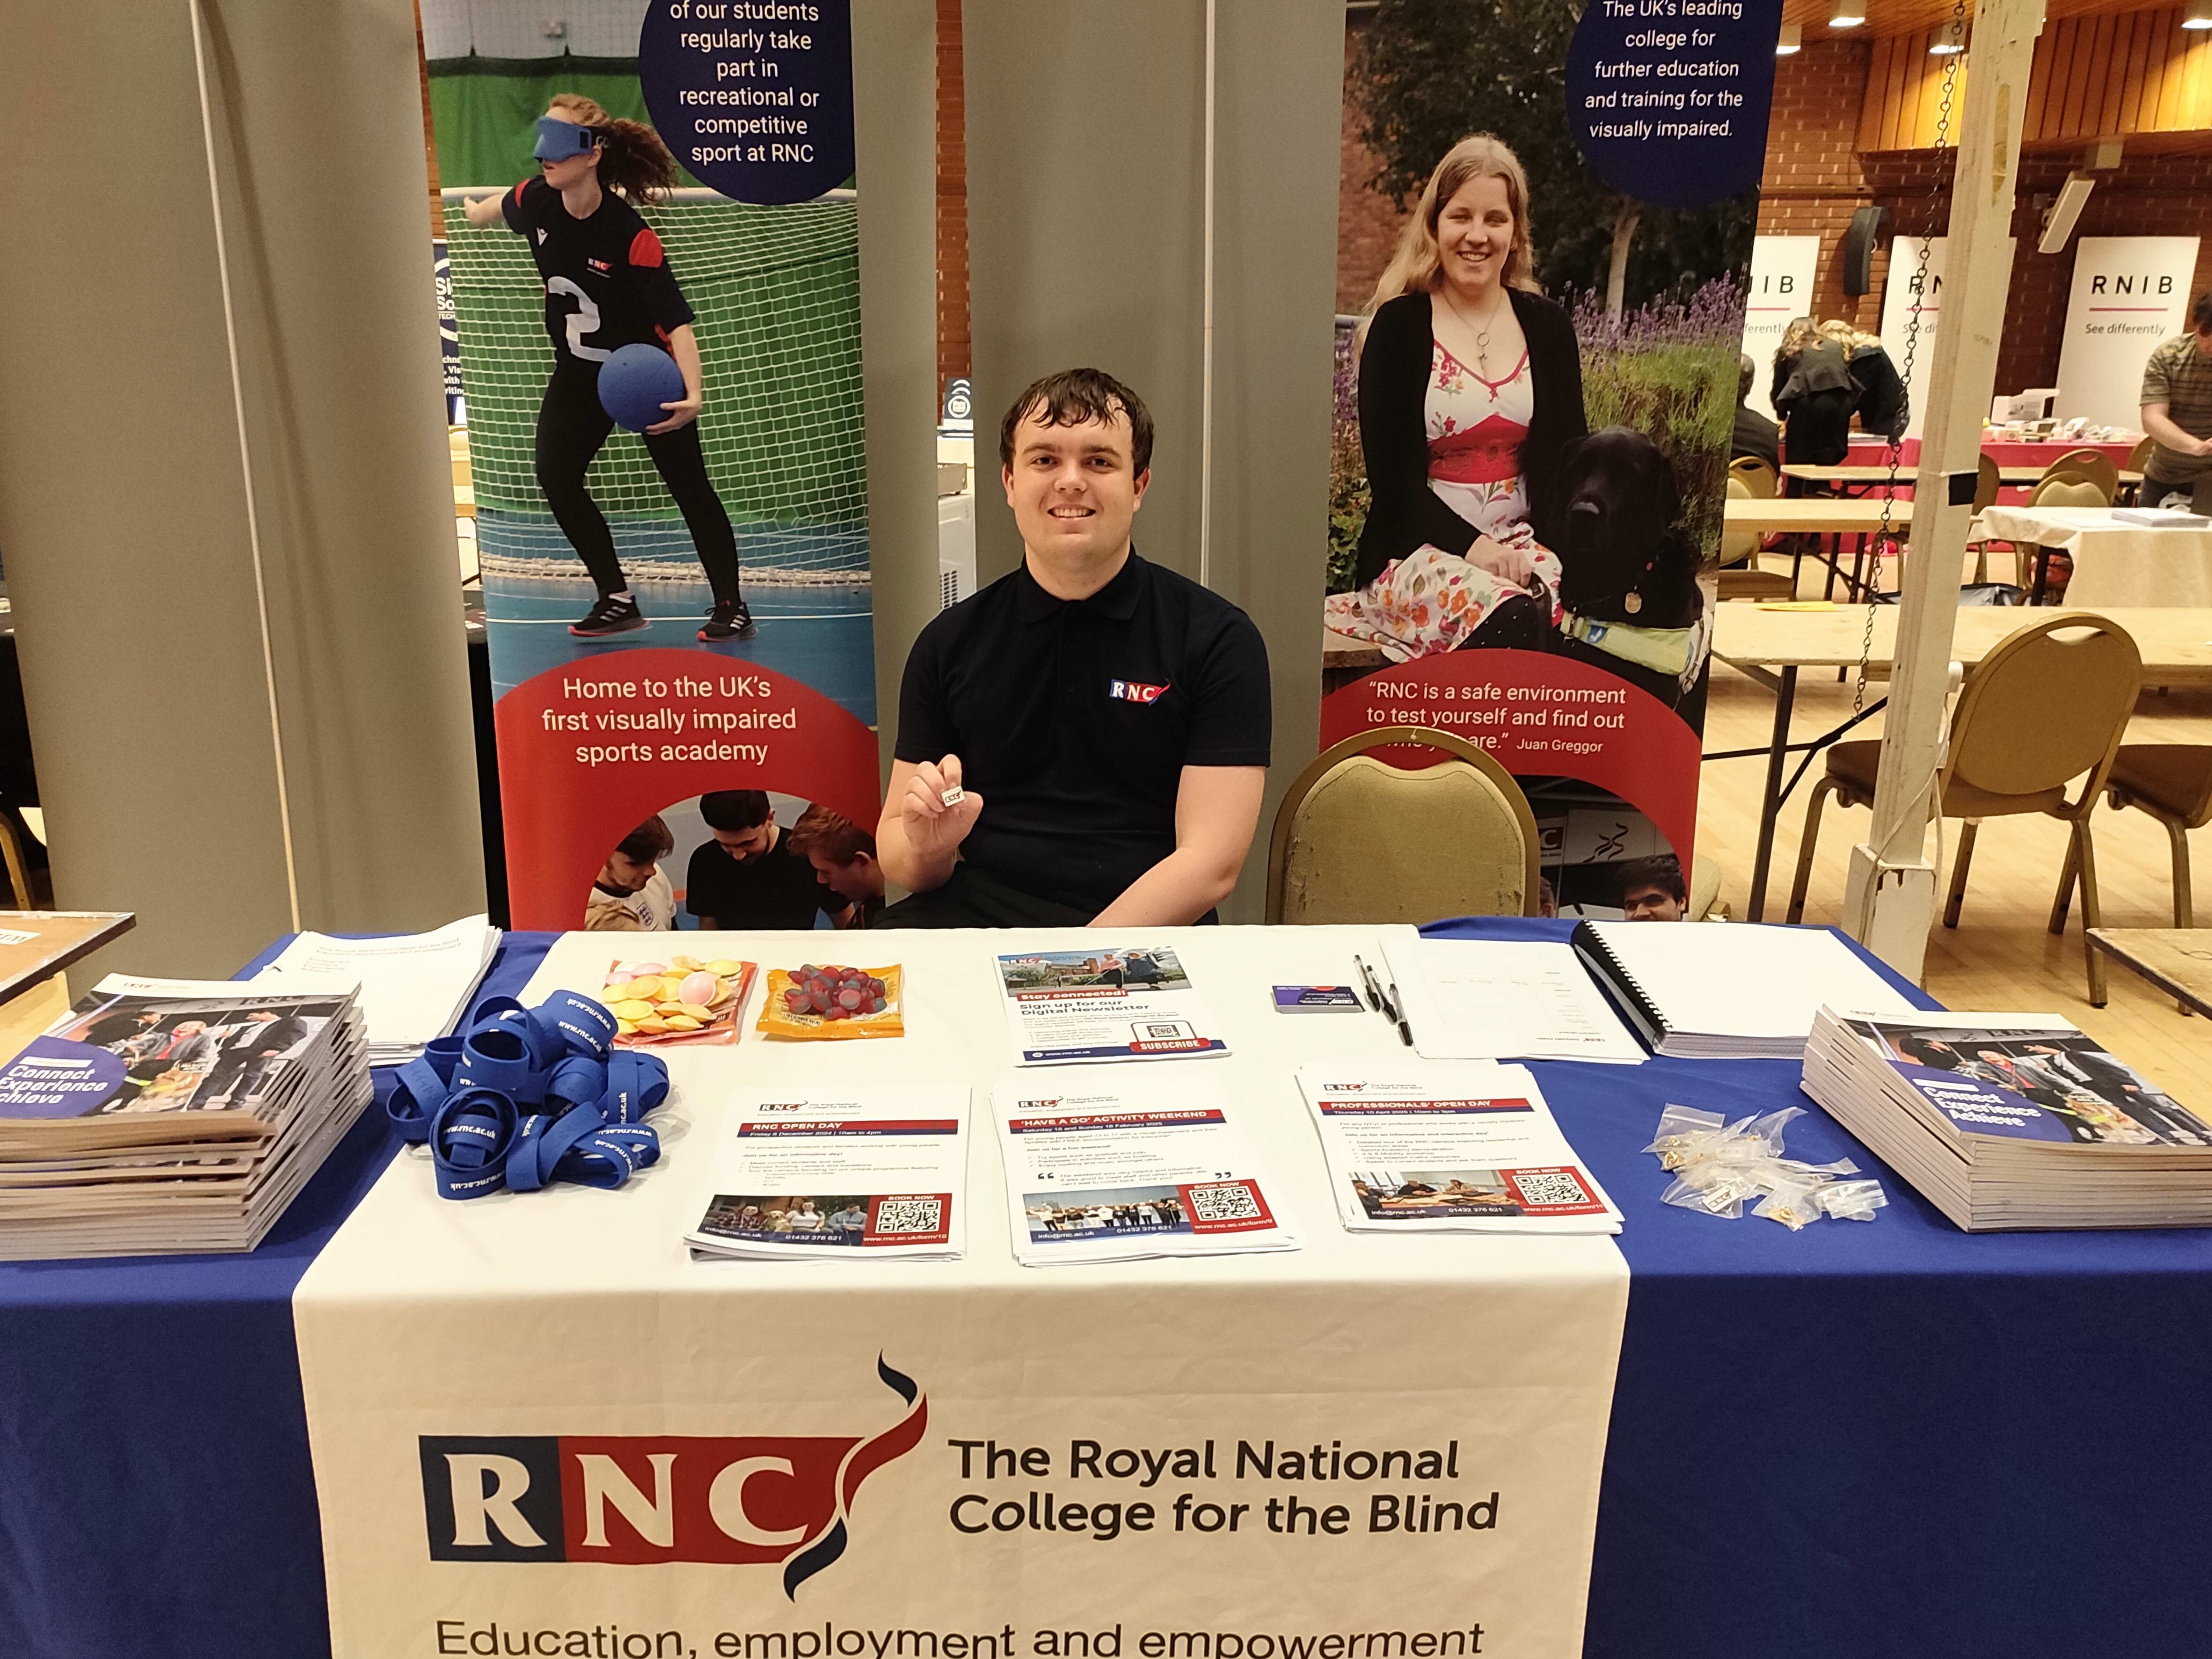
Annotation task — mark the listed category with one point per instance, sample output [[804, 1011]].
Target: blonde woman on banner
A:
[[1470, 390], [608, 285]]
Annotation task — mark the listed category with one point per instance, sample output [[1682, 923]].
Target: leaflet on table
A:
[[1074, 1007], [1470, 998], [1450, 1146], [1098, 1170], [883, 1174]]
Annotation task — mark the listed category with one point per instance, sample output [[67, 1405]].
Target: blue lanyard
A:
[[526, 1097]]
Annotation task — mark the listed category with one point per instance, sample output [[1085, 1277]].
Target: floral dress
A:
[[1430, 601]]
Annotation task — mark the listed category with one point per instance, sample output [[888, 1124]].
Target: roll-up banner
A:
[[1535, 405], [1782, 272], [2130, 293], [650, 214]]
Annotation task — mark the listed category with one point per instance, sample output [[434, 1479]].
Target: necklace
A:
[[1482, 333]]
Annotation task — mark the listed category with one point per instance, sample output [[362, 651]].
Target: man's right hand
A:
[[932, 828]]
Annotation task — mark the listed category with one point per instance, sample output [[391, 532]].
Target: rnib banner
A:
[[1536, 406], [684, 608], [1782, 269], [2131, 294]]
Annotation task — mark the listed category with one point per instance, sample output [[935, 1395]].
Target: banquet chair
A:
[[2061, 491], [2085, 466], [1762, 481], [1357, 840], [1740, 576], [2172, 782], [2048, 703], [2139, 463]]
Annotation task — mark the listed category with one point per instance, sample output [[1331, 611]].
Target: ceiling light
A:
[[1792, 38], [1946, 47], [1849, 13], [2198, 16]]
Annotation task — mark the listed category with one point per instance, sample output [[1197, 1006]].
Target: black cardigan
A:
[[1393, 379]]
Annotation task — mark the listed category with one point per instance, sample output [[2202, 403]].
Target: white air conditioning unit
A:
[[956, 549]]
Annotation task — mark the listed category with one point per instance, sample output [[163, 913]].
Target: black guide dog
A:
[[1628, 571]]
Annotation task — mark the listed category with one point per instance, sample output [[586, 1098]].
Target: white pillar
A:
[[1890, 899]]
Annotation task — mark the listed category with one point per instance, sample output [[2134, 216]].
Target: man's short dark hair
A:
[[1661, 869], [734, 809], [1077, 395], [1745, 371], [2200, 314], [648, 843]]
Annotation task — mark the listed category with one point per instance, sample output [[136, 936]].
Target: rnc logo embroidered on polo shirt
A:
[[1130, 691]]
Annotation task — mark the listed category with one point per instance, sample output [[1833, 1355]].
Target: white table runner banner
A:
[[539, 1425]]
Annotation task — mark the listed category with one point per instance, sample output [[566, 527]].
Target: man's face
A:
[[746, 846], [261, 1015], [1650, 904], [1074, 490], [629, 874], [863, 879], [2204, 342]]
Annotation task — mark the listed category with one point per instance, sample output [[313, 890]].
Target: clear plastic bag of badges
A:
[[1722, 1167]]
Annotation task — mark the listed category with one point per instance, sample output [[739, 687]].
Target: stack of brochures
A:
[[2013, 1120], [1099, 1169], [1730, 991], [1124, 1002], [1464, 1146], [829, 1177], [166, 1115], [414, 988]]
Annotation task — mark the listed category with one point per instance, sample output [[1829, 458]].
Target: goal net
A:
[[777, 291]]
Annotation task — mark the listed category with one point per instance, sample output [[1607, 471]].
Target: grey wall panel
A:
[[125, 531], [895, 130], [1086, 181]]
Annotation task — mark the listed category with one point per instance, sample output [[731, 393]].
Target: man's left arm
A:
[[1217, 809]]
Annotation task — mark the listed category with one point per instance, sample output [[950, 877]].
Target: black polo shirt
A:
[[778, 889], [1073, 720]]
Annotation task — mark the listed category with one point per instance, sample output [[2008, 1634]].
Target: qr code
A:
[[1230, 1201], [909, 1215], [1550, 1186]]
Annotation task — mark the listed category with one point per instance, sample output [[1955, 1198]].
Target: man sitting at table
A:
[[1756, 436], [2177, 411], [1086, 740]]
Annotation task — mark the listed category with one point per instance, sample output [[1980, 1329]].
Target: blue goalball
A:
[[635, 381]]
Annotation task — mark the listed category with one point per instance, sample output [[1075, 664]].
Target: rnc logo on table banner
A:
[[639, 1499]]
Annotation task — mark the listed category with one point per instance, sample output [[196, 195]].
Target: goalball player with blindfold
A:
[[608, 285]]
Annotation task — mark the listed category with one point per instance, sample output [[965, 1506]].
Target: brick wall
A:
[[1815, 178], [952, 335], [1366, 222]]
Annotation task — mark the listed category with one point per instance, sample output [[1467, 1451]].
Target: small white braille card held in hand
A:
[[953, 796]]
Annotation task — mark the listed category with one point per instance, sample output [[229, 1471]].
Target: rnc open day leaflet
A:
[[1075, 1007], [839, 1178], [1098, 1171], [1450, 1146]]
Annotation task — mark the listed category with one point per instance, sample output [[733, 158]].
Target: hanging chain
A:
[[1951, 62]]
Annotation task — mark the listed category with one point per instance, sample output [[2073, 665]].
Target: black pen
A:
[[1373, 992], [1396, 1010]]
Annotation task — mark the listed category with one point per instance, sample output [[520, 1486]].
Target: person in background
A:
[[1652, 889], [747, 874], [2176, 411], [843, 856], [1756, 437], [632, 894], [1470, 391], [1824, 374]]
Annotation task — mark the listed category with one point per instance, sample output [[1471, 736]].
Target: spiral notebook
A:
[[1729, 990]]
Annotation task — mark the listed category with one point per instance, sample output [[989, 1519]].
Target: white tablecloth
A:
[[536, 1323], [2114, 563]]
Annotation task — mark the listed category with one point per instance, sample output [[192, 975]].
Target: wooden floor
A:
[[1999, 957]]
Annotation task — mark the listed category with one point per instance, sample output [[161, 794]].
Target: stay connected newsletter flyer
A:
[[1098, 1172], [1077, 1007]]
